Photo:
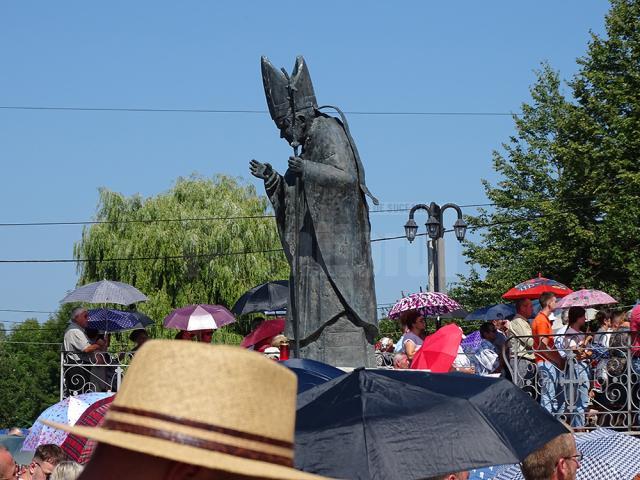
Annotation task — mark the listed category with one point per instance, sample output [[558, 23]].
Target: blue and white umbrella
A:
[[607, 454], [107, 320], [106, 291]]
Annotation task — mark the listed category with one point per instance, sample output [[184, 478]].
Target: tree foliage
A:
[[205, 257], [30, 369], [566, 205]]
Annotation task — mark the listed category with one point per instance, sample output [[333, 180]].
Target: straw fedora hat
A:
[[218, 407]]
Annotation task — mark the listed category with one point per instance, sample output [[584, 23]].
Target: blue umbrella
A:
[[360, 425], [107, 320], [311, 373], [498, 311], [492, 312]]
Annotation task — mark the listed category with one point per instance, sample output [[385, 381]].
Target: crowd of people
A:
[[49, 463], [565, 362], [154, 431]]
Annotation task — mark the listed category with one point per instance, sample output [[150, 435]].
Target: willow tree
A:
[[204, 241]]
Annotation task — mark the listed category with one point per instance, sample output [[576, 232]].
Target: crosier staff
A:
[[295, 320]]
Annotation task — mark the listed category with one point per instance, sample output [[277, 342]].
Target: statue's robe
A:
[[337, 302]]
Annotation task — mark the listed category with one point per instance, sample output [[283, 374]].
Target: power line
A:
[[129, 259], [169, 220], [246, 111], [22, 311], [115, 222]]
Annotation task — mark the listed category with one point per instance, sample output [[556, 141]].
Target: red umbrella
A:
[[267, 329], [534, 287], [79, 448], [439, 350]]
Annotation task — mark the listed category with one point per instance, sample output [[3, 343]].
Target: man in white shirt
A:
[[76, 345], [520, 343]]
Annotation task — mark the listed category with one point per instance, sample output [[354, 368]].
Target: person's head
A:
[[548, 301], [577, 316], [451, 476], [603, 318], [205, 336], [488, 331], [524, 307], [66, 471], [279, 340], [501, 324], [80, 315], [45, 460], [152, 430], [9, 469], [558, 459], [617, 319], [255, 323], [92, 334], [414, 321], [184, 335], [139, 336], [400, 361], [291, 100]]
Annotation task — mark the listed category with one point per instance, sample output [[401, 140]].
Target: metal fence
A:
[[595, 384], [92, 372]]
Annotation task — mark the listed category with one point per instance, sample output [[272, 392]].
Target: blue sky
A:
[[410, 56]]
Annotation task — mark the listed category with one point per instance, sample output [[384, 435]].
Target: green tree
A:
[[30, 369], [566, 205], [205, 257]]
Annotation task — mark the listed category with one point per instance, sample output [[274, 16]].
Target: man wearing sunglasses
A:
[[44, 461], [558, 459]]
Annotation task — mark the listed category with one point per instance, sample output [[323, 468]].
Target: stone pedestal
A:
[[341, 344]]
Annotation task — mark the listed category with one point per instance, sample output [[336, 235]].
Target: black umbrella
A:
[[270, 296], [311, 373], [380, 424]]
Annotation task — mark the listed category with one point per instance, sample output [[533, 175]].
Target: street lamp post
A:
[[435, 231]]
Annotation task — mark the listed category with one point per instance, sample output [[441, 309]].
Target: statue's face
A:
[[293, 132]]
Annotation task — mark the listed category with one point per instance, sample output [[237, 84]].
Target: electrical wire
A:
[[247, 111]]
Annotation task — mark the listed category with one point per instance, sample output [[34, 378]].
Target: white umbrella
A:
[[106, 291]]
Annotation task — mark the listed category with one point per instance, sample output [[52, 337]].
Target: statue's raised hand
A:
[[296, 165], [260, 170]]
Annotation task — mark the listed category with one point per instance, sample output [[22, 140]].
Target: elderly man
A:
[[226, 428], [44, 461], [9, 469], [77, 345], [520, 343], [558, 459]]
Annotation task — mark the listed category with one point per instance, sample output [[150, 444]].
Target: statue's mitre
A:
[[278, 87]]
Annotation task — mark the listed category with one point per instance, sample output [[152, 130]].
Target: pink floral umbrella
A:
[[67, 411], [429, 304], [585, 298]]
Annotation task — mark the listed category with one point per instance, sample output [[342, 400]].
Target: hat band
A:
[[201, 425], [192, 441]]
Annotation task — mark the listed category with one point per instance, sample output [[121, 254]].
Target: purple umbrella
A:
[[429, 304], [471, 342], [199, 317], [585, 298]]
